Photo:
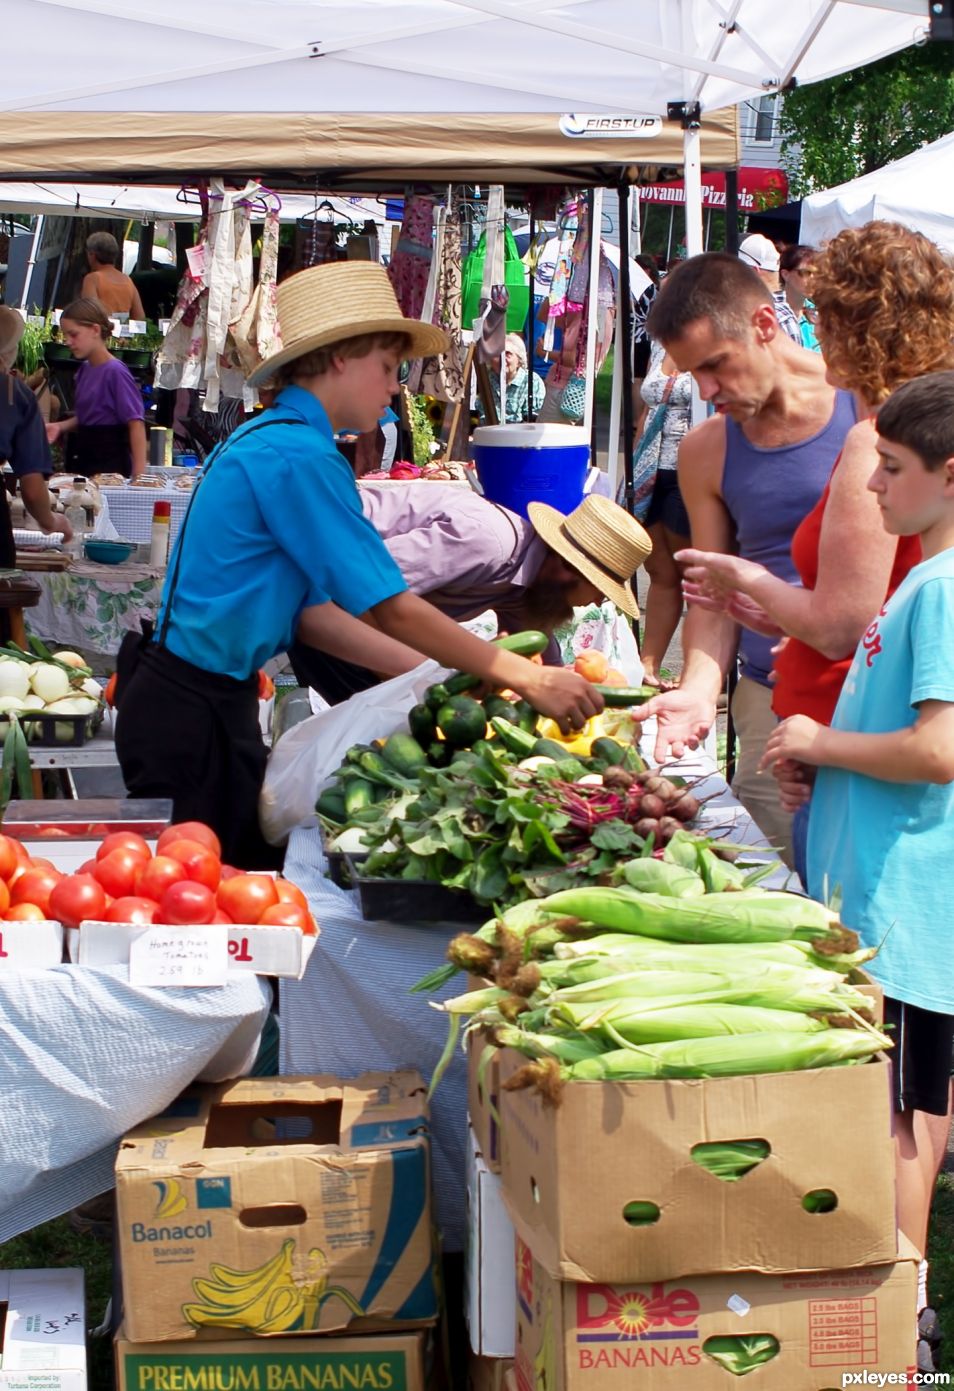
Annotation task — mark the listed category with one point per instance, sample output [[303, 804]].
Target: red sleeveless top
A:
[[807, 683]]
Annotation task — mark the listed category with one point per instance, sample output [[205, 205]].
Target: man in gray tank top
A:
[[749, 474]]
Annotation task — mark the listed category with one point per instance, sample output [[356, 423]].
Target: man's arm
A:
[[922, 752], [136, 310], [555, 691], [36, 500], [709, 640], [137, 447], [340, 634]]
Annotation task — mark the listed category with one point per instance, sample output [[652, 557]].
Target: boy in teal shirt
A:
[[883, 804]]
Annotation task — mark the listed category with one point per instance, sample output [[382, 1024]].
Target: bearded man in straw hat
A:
[[275, 546], [467, 555]]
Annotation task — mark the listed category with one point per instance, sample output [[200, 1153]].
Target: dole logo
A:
[[525, 1278], [606, 1313], [171, 1199]]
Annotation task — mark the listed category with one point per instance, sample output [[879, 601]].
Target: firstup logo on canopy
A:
[[609, 127]]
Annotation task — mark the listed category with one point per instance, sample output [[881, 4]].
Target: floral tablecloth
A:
[[92, 607]]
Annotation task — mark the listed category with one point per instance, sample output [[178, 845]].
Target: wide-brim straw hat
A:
[[345, 299], [600, 540], [11, 331]]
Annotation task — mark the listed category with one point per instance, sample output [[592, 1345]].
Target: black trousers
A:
[[194, 736]]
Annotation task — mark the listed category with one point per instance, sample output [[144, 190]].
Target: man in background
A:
[[106, 282]]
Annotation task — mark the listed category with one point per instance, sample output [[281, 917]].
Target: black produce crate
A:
[[45, 736], [413, 901]]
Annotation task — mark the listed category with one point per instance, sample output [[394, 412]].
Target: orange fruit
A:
[[591, 665], [614, 678]]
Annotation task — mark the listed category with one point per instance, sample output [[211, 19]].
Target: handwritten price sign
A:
[[180, 956]]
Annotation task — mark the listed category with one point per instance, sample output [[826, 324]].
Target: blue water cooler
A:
[[528, 462]]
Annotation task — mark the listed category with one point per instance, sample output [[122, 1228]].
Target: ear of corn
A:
[[740, 1355], [701, 1021], [730, 1160], [648, 875]]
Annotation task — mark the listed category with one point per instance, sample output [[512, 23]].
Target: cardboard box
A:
[[375, 1362], [489, 1373], [570, 1170], [279, 1205], [652, 1337], [489, 1297], [264, 949], [43, 1324], [30, 945], [483, 1093]]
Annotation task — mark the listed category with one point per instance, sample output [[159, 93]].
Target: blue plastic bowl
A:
[[109, 552]]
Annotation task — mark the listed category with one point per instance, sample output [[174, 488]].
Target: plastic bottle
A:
[[159, 539], [75, 508]]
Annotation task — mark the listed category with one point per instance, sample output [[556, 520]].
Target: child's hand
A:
[[794, 783], [797, 737]]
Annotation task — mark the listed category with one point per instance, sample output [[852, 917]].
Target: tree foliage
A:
[[835, 130]]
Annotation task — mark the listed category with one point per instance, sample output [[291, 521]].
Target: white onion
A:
[[71, 659], [72, 705], [14, 679], [8, 703], [32, 701], [51, 683], [351, 841], [91, 687]]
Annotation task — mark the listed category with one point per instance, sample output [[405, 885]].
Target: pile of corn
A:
[[660, 978]]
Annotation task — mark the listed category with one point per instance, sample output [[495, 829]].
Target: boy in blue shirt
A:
[[883, 802]]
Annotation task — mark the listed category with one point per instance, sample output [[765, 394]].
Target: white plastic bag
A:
[[304, 759]]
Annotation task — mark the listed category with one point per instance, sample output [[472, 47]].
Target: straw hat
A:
[[342, 300], [600, 540], [11, 331]]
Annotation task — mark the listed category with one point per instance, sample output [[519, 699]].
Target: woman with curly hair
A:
[[885, 301]]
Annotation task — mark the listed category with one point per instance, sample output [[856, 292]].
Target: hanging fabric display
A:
[[256, 334], [316, 237], [410, 265], [443, 377]]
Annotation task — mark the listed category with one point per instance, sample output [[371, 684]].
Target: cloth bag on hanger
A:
[[256, 335], [443, 376], [506, 269]]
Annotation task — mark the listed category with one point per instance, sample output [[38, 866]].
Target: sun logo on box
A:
[[171, 1199], [632, 1316]]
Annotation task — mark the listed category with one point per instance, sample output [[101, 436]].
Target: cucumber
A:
[[503, 709], [435, 697], [421, 723], [403, 753], [607, 751], [526, 644], [620, 697], [331, 804], [549, 748], [374, 768], [358, 794], [527, 717], [514, 739]]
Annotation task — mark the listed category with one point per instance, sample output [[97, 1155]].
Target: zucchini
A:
[[331, 804], [526, 644], [514, 739], [374, 768], [435, 697], [403, 753], [620, 697], [549, 748], [358, 794], [504, 709], [527, 717], [609, 752], [421, 723]]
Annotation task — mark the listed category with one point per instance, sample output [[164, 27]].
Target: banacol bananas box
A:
[[374, 1362], [278, 1205], [810, 1331]]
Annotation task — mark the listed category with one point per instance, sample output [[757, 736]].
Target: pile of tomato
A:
[[183, 883]]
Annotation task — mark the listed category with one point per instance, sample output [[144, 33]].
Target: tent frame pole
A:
[[624, 347]]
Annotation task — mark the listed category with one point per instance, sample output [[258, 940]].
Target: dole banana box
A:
[[278, 1205], [609, 1183], [796, 1332], [374, 1362]]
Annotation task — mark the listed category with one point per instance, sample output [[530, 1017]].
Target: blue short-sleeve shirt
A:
[[275, 526], [887, 845]]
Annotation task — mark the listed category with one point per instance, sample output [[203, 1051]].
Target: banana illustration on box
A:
[[267, 1299], [544, 1364]]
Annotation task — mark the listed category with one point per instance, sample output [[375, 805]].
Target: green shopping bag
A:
[[516, 280]]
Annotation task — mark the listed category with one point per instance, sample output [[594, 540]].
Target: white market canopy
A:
[[917, 191], [115, 85]]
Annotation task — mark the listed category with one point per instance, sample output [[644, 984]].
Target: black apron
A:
[[94, 449], [8, 550]]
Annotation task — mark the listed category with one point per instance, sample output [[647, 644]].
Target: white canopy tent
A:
[[917, 191]]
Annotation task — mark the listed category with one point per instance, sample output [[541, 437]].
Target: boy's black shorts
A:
[[921, 1057]]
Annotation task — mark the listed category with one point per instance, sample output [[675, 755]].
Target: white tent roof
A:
[[917, 191], [438, 56]]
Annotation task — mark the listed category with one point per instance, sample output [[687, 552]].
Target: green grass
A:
[[56, 1244], [941, 1256], [603, 387]]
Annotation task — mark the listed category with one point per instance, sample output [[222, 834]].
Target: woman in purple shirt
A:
[[107, 429]]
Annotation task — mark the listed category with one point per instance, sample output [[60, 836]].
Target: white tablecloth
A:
[[130, 510], [84, 1056], [352, 1011]]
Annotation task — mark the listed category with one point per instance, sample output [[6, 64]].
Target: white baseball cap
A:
[[759, 252]]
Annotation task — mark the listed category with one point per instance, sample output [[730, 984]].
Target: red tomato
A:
[[77, 897], [35, 886], [288, 915], [86, 867], [290, 893], [190, 830], [200, 865], [246, 896], [155, 876], [8, 857], [21, 852], [117, 872], [124, 840], [221, 917], [40, 863], [229, 872], [130, 909], [4, 897], [187, 903], [24, 912]]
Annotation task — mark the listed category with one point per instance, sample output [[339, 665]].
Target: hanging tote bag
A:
[[646, 455]]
